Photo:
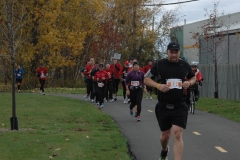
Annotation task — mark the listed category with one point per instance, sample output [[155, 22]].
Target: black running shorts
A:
[[18, 80], [149, 89], [168, 117]]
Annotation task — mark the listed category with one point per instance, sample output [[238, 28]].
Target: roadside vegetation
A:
[[60, 128], [226, 108]]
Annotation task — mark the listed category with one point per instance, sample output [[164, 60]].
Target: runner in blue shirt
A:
[[19, 76]]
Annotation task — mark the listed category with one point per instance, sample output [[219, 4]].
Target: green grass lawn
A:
[[60, 128], [226, 108]]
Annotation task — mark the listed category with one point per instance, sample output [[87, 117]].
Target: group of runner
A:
[[102, 81]]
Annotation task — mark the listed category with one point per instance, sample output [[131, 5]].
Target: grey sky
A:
[[194, 11]]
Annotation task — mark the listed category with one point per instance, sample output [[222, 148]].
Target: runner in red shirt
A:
[[87, 72], [109, 86], [149, 89], [42, 73], [101, 77], [117, 73], [198, 75]]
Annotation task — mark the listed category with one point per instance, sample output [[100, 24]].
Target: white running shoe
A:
[[151, 98], [87, 98]]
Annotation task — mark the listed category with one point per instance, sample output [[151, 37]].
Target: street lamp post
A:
[[13, 119]]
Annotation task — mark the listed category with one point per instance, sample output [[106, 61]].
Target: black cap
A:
[[173, 46], [134, 63], [130, 59], [149, 60]]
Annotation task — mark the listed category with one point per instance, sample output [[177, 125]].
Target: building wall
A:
[[191, 44]]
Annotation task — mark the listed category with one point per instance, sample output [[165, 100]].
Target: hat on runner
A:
[[130, 59], [149, 60], [135, 63], [194, 64], [173, 46], [126, 62]]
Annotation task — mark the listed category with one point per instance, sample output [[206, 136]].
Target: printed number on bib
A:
[[42, 75], [174, 83], [135, 83], [100, 84], [18, 74]]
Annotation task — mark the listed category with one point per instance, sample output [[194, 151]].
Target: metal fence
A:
[[228, 81]]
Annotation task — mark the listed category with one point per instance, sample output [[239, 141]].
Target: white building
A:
[[196, 47]]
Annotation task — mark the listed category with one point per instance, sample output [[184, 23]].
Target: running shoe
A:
[[151, 98], [135, 114], [115, 99], [97, 103], [102, 106], [19, 91], [43, 93], [131, 112], [164, 154], [85, 96], [111, 100], [92, 100], [138, 119], [129, 101]]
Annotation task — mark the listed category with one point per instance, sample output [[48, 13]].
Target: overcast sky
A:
[[194, 11]]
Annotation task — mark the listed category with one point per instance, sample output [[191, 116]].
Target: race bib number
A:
[[42, 75], [100, 84], [109, 75], [135, 83], [18, 74], [174, 83]]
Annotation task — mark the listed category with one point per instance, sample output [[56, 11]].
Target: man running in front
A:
[[171, 110]]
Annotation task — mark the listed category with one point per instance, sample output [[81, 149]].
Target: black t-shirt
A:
[[167, 70], [94, 71]]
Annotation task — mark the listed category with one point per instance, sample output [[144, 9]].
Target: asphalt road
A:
[[207, 137]]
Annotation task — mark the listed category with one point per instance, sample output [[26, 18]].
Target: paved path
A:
[[207, 137]]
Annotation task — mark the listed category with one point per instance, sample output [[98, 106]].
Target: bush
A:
[[5, 88]]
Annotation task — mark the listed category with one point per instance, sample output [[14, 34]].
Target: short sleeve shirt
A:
[[167, 71]]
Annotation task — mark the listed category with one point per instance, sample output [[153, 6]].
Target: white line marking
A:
[[196, 133], [220, 149]]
